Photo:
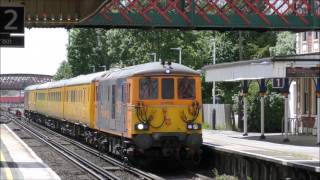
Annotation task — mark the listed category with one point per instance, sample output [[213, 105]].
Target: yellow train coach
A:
[[148, 110]]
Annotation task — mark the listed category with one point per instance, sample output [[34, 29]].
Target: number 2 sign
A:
[[11, 19]]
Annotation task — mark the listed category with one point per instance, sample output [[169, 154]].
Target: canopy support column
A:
[[318, 110], [245, 88], [285, 93], [263, 90]]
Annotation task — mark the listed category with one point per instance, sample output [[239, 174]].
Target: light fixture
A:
[[141, 126], [193, 126]]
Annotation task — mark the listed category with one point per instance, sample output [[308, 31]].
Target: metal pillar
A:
[[286, 106], [318, 118], [285, 93], [262, 116], [245, 89], [318, 110], [245, 116], [263, 89]]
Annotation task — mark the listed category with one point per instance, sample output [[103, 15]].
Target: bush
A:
[[274, 111]]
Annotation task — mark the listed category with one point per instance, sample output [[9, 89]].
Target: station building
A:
[[303, 100], [300, 86]]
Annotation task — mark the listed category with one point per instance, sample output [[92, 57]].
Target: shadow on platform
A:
[[296, 140]]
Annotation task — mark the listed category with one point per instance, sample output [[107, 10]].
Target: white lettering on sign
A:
[[13, 19], [5, 41]]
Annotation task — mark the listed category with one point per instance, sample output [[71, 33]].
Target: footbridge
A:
[[296, 15]]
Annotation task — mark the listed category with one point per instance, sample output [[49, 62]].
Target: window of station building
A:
[[316, 35], [304, 36], [186, 88], [167, 88], [306, 97], [148, 88]]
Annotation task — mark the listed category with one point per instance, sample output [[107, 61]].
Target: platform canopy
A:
[[306, 65]]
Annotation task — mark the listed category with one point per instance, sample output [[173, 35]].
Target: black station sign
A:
[[277, 83], [303, 72], [11, 41], [11, 19]]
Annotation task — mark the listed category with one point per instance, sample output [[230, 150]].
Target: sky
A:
[[43, 52]]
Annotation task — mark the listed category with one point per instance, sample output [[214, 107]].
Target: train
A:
[[151, 110]]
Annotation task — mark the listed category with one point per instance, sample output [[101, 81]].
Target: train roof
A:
[[31, 87], [150, 69], [141, 69], [82, 79]]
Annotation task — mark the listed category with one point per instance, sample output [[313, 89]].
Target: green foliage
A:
[[223, 176], [63, 72], [273, 110], [285, 44], [87, 49], [205, 125]]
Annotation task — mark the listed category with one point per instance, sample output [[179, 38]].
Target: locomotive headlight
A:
[[190, 126], [193, 126], [141, 126], [167, 71]]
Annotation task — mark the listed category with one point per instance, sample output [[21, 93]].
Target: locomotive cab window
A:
[[186, 88], [167, 88], [148, 88]]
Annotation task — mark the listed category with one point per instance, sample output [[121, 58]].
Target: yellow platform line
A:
[[6, 170]]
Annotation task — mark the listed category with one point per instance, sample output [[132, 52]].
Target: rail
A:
[[96, 170]]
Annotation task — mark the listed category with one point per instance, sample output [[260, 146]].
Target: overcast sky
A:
[[44, 50]]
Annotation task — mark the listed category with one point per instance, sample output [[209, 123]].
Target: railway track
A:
[[110, 169]]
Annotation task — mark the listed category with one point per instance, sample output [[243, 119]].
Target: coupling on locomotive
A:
[[152, 110]]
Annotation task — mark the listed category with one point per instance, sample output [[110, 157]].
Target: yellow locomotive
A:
[[152, 109]]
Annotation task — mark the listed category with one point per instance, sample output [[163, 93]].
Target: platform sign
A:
[[11, 22], [11, 19], [11, 41], [277, 83], [303, 72]]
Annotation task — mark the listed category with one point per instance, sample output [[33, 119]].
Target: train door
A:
[[101, 108], [113, 107], [123, 111], [96, 101]]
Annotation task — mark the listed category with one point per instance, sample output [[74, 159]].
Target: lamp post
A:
[[178, 49], [213, 45], [154, 56]]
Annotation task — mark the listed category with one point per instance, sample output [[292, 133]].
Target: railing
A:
[[296, 127], [204, 14]]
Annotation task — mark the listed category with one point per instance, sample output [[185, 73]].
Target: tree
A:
[[285, 44], [63, 72], [87, 49]]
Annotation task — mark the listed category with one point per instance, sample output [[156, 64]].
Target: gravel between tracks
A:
[[61, 165]]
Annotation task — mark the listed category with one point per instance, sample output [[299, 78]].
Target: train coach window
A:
[[186, 88], [148, 88], [167, 88]]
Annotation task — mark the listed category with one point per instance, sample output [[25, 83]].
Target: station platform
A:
[[301, 151], [18, 161]]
